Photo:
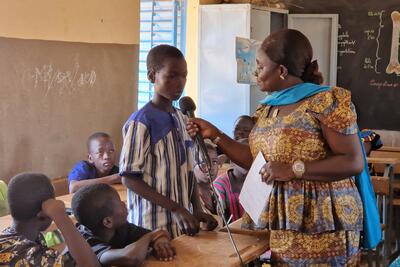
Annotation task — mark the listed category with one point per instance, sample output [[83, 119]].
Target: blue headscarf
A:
[[372, 233]]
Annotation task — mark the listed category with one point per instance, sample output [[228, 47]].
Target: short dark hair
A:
[[91, 204], [158, 54], [96, 136], [26, 193]]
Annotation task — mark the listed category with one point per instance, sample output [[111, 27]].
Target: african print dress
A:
[[312, 223]]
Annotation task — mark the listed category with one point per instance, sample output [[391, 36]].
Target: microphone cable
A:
[[220, 210]]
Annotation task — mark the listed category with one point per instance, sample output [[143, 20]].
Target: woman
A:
[[308, 135]]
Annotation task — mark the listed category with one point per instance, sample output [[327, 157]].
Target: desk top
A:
[[5, 221], [121, 189], [391, 161], [213, 249], [390, 149], [236, 228]]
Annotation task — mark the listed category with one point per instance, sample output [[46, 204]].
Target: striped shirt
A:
[[158, 149], [228, 198]]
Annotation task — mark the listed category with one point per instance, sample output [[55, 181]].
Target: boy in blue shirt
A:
[[99, 168]]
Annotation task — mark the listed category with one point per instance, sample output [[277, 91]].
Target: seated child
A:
[[242, 127], [100, 166], [229, 186], [203, 177], [102, 220], [33, 208]]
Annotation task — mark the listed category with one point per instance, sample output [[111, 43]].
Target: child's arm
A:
[[132, 255], [78, 247], [186, 221], [110, 179]]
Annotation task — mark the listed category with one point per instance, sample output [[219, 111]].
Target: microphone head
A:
[[186, 104]]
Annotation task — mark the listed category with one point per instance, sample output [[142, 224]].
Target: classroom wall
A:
[[93, 21], [72, 22]]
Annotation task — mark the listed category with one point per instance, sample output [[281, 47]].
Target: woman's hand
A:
[[276, 171], [206, 129]]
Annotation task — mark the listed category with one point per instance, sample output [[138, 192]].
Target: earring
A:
[[282, 77]]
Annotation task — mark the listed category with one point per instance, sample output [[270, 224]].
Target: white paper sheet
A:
[[255, 193]]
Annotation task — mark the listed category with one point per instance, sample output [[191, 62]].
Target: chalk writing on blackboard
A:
[[345, 42], [374, 34], [394, 65], [51, 78], [383, 84]]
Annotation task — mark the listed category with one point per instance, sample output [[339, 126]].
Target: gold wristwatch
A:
[[298, 168]]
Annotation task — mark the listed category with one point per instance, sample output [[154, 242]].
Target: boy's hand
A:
[[186, 221], [208, 219], [53, 208], [162, 246]]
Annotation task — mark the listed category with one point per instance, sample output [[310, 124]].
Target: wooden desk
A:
[[236, 228], [5, 221], [213, 249], [390, 149], [389, 164], [121, 189]]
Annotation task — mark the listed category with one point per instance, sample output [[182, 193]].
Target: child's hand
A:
[[186, 221], [162, 246], [208, 219], [53, 208]]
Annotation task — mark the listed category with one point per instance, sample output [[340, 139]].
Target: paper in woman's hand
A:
[[255, 193]]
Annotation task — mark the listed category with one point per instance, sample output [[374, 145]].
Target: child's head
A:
[[167, 70], [101, 152], [200, 170], [99, 207], [242, 127], [26, 193]]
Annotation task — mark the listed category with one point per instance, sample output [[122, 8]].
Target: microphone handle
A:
[[200, 142]]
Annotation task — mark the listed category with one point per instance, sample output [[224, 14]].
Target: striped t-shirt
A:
[[229, 199], [157, 148]]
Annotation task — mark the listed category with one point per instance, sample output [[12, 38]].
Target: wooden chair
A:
[[60, 186], [383, 186]]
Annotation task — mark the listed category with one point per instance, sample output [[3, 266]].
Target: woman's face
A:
[[267, 73]]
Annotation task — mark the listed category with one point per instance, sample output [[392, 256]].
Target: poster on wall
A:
[[246, 51]]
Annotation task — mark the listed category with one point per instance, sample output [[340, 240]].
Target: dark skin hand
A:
[[346, 153], [188, 223]]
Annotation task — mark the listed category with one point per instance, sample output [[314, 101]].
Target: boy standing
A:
[[156, 158], [100, 166]]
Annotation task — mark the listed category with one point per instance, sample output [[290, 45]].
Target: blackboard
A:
[[54, 94], [365, 50]]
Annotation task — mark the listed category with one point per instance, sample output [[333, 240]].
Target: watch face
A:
[[299, 167]]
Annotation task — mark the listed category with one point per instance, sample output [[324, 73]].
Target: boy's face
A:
[[200, 170], [170, 80], [242, 128], [102, 155], [120, 212]]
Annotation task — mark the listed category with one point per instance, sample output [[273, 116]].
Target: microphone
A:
[[187, 106]]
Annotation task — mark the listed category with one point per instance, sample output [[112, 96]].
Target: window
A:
[[161, 22]]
